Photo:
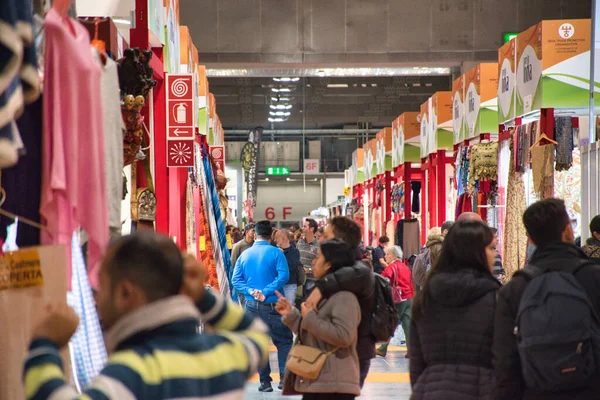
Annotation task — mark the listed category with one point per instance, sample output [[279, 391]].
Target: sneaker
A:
[[380, 352], [280, 386], [265, 387]]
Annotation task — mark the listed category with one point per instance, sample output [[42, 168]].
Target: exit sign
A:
[[507, 37], [278, 171]]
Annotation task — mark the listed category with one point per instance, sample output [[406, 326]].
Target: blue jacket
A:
[[261, 267]]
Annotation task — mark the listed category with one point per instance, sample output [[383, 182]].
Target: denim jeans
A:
[[289, 291], [280, 334]]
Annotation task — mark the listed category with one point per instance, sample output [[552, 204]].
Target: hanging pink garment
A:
[[73, 179]]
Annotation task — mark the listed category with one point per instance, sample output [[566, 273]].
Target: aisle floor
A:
[[388, 379]]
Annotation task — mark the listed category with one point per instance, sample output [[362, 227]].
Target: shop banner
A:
[[409, 129], [458, 109], [249, 160], [440, 134], [181, 125], [481, 112], [507, 59], [425, 127], [370, 149], [357, 175], [384, 151], [553, 67]]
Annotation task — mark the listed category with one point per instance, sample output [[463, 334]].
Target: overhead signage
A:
[[311, 166], [218, 155], [507, 37], [278, 171], [180, 120]]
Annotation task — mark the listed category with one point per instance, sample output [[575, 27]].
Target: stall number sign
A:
[[278, 171], [311, 166], [21, 269], [272, 213], [180, 120]]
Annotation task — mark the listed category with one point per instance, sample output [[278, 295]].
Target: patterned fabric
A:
[[89, 352], [542, 167], [563, 133], [484, 163], [190, 216], [515, 236], [564, 182]]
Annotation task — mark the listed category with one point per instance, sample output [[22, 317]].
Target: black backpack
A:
[[558, 330], [384, 319]]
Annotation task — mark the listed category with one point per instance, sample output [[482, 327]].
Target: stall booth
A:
[[436, 160], [384, 180], [475, 115], [356, 180], [370, 209], [406, 182], [543, 114]]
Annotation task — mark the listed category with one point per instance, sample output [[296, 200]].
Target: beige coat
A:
[[333, 325]]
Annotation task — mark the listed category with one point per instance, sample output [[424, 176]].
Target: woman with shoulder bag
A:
[[402, 290], [326, 336]]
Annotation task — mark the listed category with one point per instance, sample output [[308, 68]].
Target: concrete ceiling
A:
[[244, 103]]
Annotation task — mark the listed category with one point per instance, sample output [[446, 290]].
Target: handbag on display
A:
[[306, 361]]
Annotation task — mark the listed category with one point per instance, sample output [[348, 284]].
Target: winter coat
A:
[[357, 279], [451, 344], [333, 325], [507, 363], [434, 244], [592, 248]]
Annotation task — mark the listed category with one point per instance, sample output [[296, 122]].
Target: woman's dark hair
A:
[[595, 224], [462, 249], [338, 253]]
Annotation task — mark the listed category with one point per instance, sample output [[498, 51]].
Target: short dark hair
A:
[[263, 229], [384, 239], [249, 227], [545, 221], [312, 224], [150, 261], [338, 253], [595, 224], [347, 230], [447, 225]]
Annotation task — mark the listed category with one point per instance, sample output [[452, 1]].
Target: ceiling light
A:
[[288, 179], [337, 85], [286, 79], [266, 179], [280, 113], [276, 120], [280, 106], [281, 90]]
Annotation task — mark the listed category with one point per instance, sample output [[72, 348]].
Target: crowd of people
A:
[[315, 293]]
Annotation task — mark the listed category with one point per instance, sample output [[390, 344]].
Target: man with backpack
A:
[[546, 334], [428, 257]]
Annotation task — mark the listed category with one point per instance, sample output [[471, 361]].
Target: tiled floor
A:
[[388, 379]]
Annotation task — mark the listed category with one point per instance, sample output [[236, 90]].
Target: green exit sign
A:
[[278, 171], [507, 37]]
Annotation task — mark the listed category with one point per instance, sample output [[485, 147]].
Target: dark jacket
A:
[[592, 248], [451, 344], [358, 279], [507, 363], [292, 255]]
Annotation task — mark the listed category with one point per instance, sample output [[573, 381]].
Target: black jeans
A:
[[328, 396], [280, 334]]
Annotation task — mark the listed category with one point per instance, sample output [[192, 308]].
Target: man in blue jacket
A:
[[258, 273]]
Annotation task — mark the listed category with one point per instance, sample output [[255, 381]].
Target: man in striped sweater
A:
[[151, 332]]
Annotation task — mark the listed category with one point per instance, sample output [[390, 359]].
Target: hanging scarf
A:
[[484, 163], [563, 134], [542, 162]]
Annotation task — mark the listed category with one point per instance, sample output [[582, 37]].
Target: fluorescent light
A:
[[337, 85], [281, 106], [281, 90], [286, 79], [122, 21], [280, 113], [276, 120]]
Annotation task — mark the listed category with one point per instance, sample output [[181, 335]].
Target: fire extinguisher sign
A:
[[180, 120]]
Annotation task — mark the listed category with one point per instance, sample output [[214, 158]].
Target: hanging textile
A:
[[483, 164], [113, 142], [390, 231], [87, 345], [23, 195], [411, 237], [542, 167], [515, 235], [73, 179], [400, 235], [563, 134], [217, 226], [205, 247], [564, 182], [416, 202], [190, 218]]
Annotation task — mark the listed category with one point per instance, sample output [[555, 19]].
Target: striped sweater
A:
[[157, 353]]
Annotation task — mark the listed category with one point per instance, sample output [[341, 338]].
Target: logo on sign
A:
[[180, 87], [566, 31]]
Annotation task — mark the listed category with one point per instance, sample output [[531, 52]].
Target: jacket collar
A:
[[556, 250], [149, 317]]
